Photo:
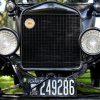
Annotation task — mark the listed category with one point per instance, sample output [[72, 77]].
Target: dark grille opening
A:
[[52, 43]]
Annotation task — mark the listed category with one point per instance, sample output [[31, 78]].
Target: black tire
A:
[[95, 74], [16, 80]]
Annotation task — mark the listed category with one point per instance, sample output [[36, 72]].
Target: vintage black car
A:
[[55, 40]]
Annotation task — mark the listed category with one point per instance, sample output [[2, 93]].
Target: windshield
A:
[[63, 1]]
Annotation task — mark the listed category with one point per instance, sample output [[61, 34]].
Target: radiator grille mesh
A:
[[52, 43]]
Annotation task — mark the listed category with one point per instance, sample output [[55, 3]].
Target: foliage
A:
[[3, 19], [6, 82]]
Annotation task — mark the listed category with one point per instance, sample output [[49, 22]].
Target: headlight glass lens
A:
[[10, 6], [90, 42], [8, 42]]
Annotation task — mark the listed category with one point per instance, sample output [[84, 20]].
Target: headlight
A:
[[90, 41], [10, 6], [8, 41]]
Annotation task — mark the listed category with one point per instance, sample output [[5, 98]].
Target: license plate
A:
[[53, 87]]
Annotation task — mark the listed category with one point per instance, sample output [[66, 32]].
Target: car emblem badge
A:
[[29, 23]]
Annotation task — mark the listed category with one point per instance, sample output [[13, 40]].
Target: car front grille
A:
[[52, 43]]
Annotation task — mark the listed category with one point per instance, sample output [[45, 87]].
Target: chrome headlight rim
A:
[[80, 37], [17, 38]]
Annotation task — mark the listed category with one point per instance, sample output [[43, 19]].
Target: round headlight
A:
[[97, 6], [8, 41], [90, 41], [10, 6]]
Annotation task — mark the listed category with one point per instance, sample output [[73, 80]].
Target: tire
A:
[[16, 80], [95, 74]]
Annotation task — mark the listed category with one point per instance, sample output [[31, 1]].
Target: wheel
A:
[[95, 74], [1, 92], [16, 80]]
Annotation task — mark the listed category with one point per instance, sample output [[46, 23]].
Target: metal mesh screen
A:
[[52, 43]]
